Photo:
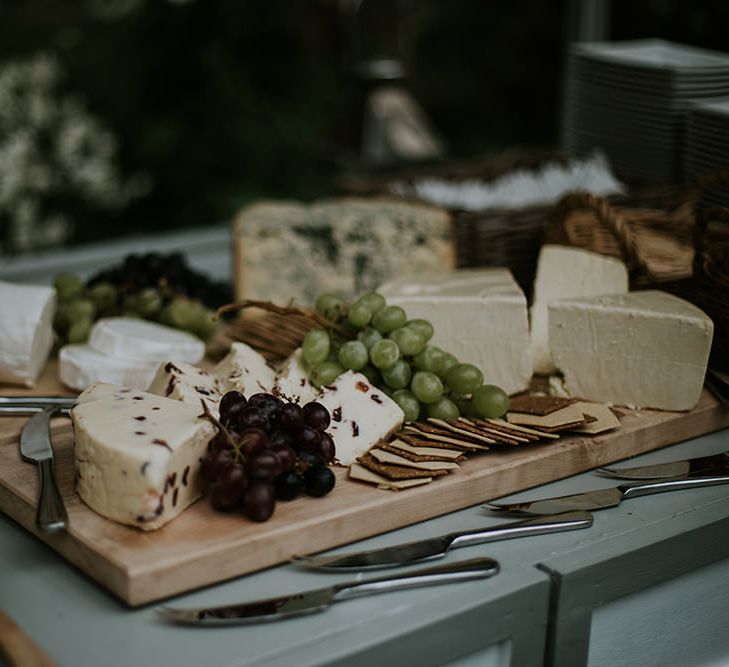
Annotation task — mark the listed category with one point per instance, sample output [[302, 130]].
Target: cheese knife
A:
[[437, 547], [35, 447], [700, 464], [296, 604], [29, 405], [605, 498]]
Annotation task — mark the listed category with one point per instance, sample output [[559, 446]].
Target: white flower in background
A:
[[54, 155]]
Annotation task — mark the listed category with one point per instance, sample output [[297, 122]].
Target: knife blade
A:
[[670, 469], [437, 547], [35, 447], [308, 602], [606, 498]]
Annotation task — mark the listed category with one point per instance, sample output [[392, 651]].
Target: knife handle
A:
[[466, 570], [553, 523], [646, 488], [51, 516]]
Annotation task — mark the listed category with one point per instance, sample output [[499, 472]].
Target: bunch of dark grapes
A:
[[267, 449]]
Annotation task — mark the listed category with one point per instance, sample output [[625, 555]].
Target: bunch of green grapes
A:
[[81, 304], [394, 353]]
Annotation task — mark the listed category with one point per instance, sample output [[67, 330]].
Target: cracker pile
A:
[[423, 451]]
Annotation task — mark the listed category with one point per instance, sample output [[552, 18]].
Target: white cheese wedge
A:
[[565, 273], [244, 370], [80, 366], [644, 349], [130, 338], [137, 454], [362, 415], [479, 315], [26, 331], [186, 383], [292, 381]]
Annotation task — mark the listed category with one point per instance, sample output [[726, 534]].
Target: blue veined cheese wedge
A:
[[362, 415], [288, 251], [479, 315], [645, 349], [137, 454]]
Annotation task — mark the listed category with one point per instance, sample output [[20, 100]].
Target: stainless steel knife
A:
[[604, 498], [30, 405], [700, 464], [308, 602], [35, 447], [437, 547]]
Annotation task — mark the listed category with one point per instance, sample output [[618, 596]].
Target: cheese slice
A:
[[644, 349], [362, 474], [564, 273], [130, 338], [362, 415], [292, 381], [137, 454], [479, 315], [26, 331], [244, 370], [80, 366], [186, 383]]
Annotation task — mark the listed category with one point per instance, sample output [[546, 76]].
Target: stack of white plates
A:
[[631, 99], [706, 147]]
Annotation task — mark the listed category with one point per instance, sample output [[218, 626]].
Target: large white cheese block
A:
[[362, 415], [479, 315], [186, 383], [292, 380], [244, 370], [644, 349], [289, 250], [80, 366], [565, 273], [137, 454], [26, 331], [130, 338]]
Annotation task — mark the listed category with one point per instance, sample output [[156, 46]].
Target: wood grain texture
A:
[[202, 547]]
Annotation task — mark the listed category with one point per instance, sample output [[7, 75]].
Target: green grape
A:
[[80, 309], [408, 404], [369, 336], [325, 373], [464, 404], [207, 325], [372, 374], [68, 286], [431, 359], [408, 340], [374, 301], [350, 331], [359, 315], [61, 320], [388, 391], [315, 346], [329, 306], [353, 355], [426, 387], [104, 297], [490, 401], [389, 319], [148, 302], [449, 361], [444, 408], [464, 378], [384, 353], [398, 375], [333, 352], [79, 330], [421, 327], [179, 313]]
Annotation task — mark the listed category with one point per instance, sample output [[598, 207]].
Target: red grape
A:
[[215, 462], [259, 501], [316, 416], [230, 406], [307, 439], [285, 455], [291, 417], [326, 447], [264, 466], [228, 490], [251, 417], [253, 441]]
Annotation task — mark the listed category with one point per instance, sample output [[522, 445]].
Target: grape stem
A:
[[221, 429]]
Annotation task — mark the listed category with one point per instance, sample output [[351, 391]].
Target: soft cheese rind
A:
[[244, 370], [186, 383], [80, 366], [362, 415], [137, 454], [26, 331], [644, 349], [566, 273], [479, 315]]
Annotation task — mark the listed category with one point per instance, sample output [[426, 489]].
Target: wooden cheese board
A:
[[202, 547]]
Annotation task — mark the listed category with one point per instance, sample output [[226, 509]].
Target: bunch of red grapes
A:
[[267, 449]]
